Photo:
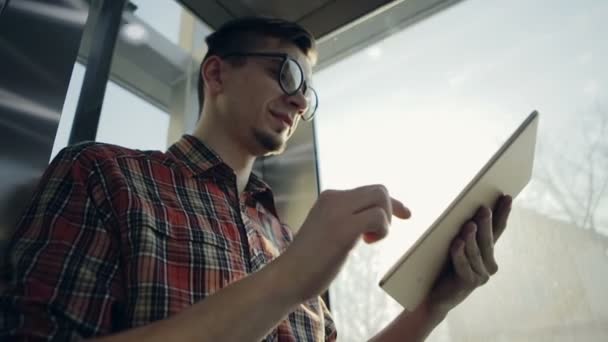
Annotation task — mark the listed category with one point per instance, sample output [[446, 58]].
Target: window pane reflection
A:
[[425, 110]]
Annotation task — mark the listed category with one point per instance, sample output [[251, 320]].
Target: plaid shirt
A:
[[117, 238]]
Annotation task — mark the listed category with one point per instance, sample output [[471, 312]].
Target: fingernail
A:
[[484, 213], [473, 227]]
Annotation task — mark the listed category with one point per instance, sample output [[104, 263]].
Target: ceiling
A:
[[319, 16], [340, 26]]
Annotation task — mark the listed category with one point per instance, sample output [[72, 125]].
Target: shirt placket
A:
[[258, 258], [256, 251]]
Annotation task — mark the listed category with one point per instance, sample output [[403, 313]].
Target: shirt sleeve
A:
[[63, 262]]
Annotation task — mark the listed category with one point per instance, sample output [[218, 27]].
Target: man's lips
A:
[[284, 117]]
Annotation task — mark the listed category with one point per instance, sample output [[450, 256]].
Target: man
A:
[[186, 245]]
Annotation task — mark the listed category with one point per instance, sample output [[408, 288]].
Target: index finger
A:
[[370, 196], [400, 210]]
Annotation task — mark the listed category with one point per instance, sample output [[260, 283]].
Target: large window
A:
[[128, 120], [163, 16], [422, 111], [69, 109], [151, 97]]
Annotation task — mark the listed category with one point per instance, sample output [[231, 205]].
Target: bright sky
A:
[[424, 109]]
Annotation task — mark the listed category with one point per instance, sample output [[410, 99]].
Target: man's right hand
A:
[[332, 228]]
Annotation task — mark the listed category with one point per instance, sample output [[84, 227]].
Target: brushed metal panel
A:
[[35, 77]]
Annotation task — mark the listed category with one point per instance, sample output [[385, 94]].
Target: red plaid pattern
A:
[[118, 238]]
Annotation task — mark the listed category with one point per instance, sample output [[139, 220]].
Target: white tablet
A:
[[508, 171]]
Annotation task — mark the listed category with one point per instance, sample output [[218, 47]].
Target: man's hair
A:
[[248, 34]]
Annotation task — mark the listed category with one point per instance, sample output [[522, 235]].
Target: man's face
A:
[[260, 113]]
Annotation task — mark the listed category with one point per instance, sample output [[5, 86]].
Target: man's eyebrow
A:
[[274, 63]]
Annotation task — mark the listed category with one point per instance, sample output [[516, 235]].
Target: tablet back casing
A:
[[508, 172]]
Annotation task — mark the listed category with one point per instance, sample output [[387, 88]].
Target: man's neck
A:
[[239, 159]]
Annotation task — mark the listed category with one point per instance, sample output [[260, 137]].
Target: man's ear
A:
[[212, 74]]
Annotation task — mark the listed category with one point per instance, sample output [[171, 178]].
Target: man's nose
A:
[[298, 101]]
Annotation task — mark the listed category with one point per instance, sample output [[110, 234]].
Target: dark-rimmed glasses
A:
[[290, 77]]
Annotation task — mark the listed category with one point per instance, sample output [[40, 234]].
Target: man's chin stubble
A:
[[270, 143]]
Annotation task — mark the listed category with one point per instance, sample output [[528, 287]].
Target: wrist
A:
[[434, 314], [278, 273], [412, 325]]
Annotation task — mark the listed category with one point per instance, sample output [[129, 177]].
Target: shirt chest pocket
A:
[[198, 247], [180, 255]]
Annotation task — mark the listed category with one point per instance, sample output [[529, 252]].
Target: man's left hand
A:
[[471, 265], [472, 258]]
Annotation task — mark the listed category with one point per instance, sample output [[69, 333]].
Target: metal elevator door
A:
[[39, 42]]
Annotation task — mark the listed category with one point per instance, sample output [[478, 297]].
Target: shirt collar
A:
[[201, 160]]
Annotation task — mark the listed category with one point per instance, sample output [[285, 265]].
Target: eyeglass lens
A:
[[291, 79]]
